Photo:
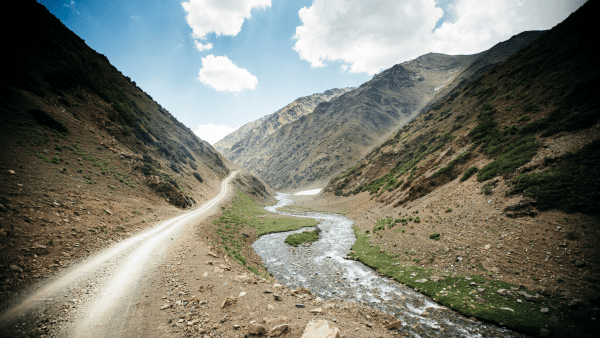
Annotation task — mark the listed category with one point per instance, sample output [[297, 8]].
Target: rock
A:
[[270, 307], [545, 333], [321, 329], [507, 309], [502, 292], [245, 278], [318, 300], [317, 310], [242, 294], [533, 299], [421, 280], [575, 303], [434, 278], [480, 300], [301, 291], [277, 297], [245, 234], [268, 291], [210, 253], [481, 290], [381, 251], [545, 310], [579, 263], [256, 329], [11, 172], [299, 306], [230, 301], [166, 306], [487, 246], [393, 325], [108, 211], [16, 268], [544, 292], [278, 330]]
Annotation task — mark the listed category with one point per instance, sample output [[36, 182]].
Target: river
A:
[[322, 268]]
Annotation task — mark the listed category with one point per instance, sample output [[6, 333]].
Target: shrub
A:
[[435, 236], [469, 173]]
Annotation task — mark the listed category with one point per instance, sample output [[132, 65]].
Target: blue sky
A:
[[229, 62]]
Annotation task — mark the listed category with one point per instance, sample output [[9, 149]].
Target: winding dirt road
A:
[[105, 286]]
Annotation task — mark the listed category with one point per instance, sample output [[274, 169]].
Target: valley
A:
[[447, 196]]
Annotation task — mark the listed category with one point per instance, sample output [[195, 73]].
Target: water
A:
[[321, 267]]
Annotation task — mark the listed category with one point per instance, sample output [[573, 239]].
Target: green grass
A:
[[303, 237], [242, 213], [457, 293]]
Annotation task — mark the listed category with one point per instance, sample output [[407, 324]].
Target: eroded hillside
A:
[[314, 148], [249, 139], [497, 183]]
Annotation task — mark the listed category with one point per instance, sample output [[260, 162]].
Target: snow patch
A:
[[308, 192]]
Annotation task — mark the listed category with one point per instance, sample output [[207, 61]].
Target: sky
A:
[[219, 64]]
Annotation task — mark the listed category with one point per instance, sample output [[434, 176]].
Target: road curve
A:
[[117, 271]]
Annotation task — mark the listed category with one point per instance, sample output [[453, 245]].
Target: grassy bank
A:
[[303, 237], [460, 294], [244, 217]]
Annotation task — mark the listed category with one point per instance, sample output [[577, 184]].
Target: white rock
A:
[[321, 329]]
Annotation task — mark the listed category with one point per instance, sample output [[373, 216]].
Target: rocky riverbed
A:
[[323, 268]]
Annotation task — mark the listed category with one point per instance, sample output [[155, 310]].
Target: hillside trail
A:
[[96, 297]]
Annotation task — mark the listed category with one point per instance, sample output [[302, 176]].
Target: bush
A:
[[469, 173]]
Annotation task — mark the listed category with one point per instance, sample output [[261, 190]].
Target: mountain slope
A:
[[249, 138], [497, 183], [87, 157], [314, 148]]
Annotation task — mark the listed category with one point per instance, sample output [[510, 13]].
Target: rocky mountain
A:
[[314, 148], [249, 138], [87, 156], [497, 183]]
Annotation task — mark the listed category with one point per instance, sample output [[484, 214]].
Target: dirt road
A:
[[104, 287]]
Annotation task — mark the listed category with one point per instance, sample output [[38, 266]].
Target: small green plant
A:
[[523, 118], [435, 236], [449, 210], [486, 189]]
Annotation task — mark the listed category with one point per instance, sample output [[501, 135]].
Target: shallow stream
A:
[[322, 268]]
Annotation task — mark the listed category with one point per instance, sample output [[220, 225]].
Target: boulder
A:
[[256, 329], [321, 329], [301, 291], [229, 301], [278, 330], [393, 325]]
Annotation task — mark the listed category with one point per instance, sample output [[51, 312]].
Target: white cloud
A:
[[369, 36], [221, 74], [213, 133], [200, 47], [219, 16]]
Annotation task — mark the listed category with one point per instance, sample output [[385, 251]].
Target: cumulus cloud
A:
[[218, 16], [221, 74], [200, 47], [213, 133], [368, 36]]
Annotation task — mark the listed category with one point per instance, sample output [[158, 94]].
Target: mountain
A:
[[249, 138], [87, 156], [312, 149], [498, 183]]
